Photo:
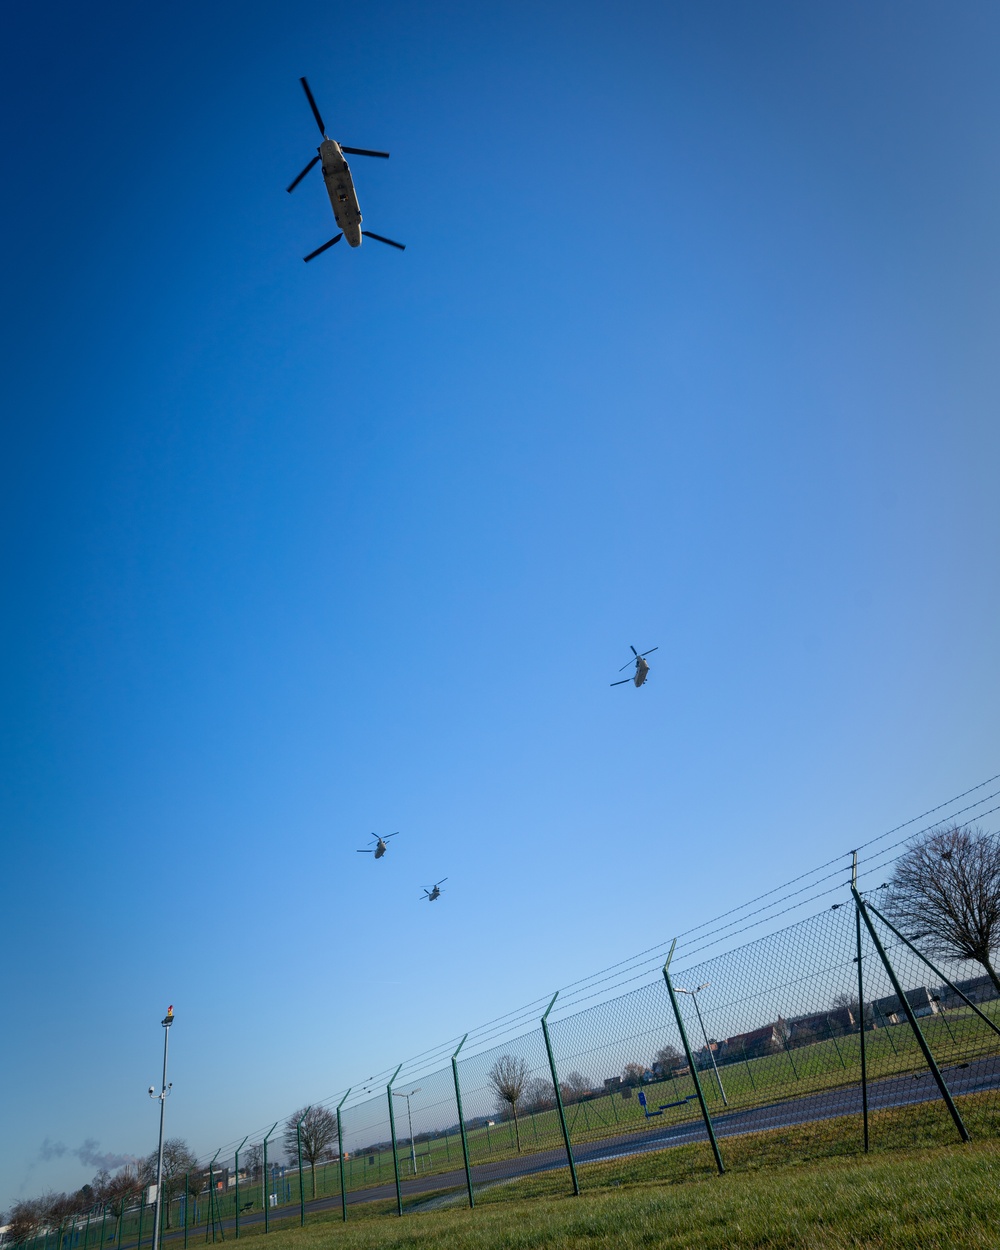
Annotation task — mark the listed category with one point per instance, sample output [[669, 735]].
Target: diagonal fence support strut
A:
[[395, 1153], [690, 1058], [340, 1157], [956, 1115]]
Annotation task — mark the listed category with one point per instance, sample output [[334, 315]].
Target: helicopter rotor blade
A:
[[329, 243], [292, 185], [392, 243], [650, 651], [624, 682], [633, 650], [389, 835], [364, 152], [625, 666], [442, 881], [312, 105], [365, 852]]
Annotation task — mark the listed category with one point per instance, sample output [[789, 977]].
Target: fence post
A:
[[340, 1153], [104, 1220], [861, 1009], [236, 1170], [559, 1101], [142, 1212], [265, 1198], [956, 1115], [187, 1203], [392, 1131], [690, 1058], [302, 1183], [461, 1123]]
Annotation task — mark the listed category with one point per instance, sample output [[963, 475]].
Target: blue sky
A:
[[693, 346]]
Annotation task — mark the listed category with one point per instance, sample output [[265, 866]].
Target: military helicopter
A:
[[641, 667], [339, 186], [435, 891], [380, 848]]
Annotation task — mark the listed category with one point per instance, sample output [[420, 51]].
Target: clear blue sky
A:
[[694, 344]]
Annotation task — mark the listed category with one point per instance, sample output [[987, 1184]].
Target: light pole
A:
[[409, 1120], [708, 1046], [163, 1095]]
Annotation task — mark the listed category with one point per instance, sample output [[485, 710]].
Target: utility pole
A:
[[409, 1121], [708, 1045], [163, 1095]]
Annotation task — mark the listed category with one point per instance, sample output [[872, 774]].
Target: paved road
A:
[[896, 1091]]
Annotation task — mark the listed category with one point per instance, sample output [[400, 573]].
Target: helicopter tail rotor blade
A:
[[329, 243], [292, 185], [312, 105], [364, 152], [392, 243]]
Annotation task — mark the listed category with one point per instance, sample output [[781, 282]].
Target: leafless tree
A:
[[574, 1087], [253, 1160], [318, 1133], [948, 886], [25, 1218], [633, 1073], [507, 1076], [178, 1160], [539, 1095], [668, 1058]]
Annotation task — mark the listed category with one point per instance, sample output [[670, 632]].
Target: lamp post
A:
[[163, 1095], [708, 1046], [409, 1120]]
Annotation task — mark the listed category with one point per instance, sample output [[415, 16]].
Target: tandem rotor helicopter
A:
[[641, 668], [339, 186], [380, 847], [434, 892]]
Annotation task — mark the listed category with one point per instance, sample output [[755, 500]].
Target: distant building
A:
[[978, 989], [818, 1025], [752, 1045], [890, 1010]]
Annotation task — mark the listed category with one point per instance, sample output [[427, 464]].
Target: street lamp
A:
[[409, 1120], [163, 1095], [708, 1046]]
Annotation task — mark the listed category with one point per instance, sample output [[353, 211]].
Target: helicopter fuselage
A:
[[641, 671], [340, 188], [381, 849]]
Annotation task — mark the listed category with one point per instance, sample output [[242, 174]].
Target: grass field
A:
[[920, 1198]]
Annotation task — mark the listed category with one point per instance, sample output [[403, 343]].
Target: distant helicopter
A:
[[339, 186], [380, 848], [641, 668], [435, 891]]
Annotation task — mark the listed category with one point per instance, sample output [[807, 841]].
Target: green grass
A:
[[917, 1198]]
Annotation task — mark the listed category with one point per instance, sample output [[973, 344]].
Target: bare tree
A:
[[948, 885], [507, 1076], [25, 1218], [319, 1131], [668, 1058], [178, 1160], [632, 1074], [253, 1160], [574, 1087], [539, 1095]]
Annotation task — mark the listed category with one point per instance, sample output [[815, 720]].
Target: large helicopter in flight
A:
[[339, 186], [434, 892], [641, 668], [380, 848]]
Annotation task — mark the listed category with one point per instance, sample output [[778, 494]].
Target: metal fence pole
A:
[[861, 1010], [392, 1130], [559, 1101], [302, 1183], [104, 1220], [956, 1115], [690, 1058], [187, 1203], [461, 1123], [340, 1156], [265, 1198], [236, 1170]]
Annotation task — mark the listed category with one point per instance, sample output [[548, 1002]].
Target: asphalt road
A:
[[896, 1091]]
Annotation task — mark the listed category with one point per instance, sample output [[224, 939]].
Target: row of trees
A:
[[107, 1192]]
